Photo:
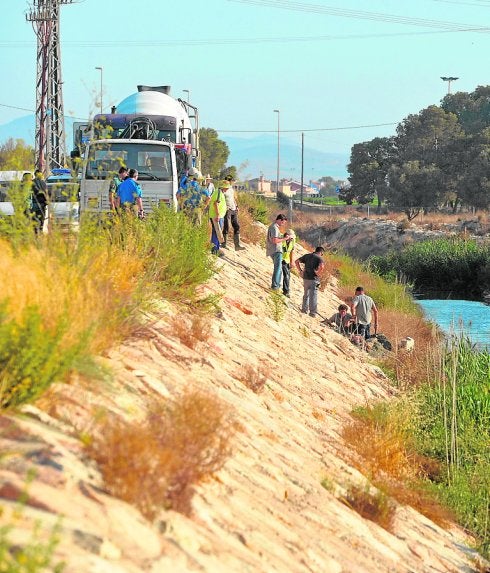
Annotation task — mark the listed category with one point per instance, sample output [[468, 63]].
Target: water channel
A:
[[457, 316]]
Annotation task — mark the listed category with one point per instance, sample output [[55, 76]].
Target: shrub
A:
[[36, 556], [374, 506], [382, 435], [254, 378], [190, 331], [67, 296], [157, 463], [277, 305], [32, 356]]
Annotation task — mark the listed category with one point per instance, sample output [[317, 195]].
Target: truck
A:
[[149, 131]]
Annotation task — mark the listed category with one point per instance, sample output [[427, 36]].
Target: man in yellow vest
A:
[[287, 260], [217, 212]]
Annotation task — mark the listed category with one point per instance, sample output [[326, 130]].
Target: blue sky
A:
[[323, 63]]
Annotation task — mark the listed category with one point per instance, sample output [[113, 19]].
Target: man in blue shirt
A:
[[129, 193]]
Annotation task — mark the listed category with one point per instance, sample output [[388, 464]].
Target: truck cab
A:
[[154, 160]]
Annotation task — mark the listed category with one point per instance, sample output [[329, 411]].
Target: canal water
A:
[[460, 316]]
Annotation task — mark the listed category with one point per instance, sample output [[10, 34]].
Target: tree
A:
[[471, 109], [214, 152], [413, 187], [368, 168], [15, 155]]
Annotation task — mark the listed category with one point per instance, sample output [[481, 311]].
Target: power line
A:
[[247, 130], [236, 41], [301, 130], [355, 14], [33, 111]]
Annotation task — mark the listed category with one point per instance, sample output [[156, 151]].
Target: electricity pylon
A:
[[50, 123]]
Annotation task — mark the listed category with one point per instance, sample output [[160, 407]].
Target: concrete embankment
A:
[[266, 510]]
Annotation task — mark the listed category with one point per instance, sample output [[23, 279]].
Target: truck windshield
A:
[[154, 162]]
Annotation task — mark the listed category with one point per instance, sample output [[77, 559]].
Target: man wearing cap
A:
[[209, 184], [273, 248], [231, 217], [217, 212]]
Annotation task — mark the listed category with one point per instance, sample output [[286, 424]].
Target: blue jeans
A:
[[310, 296], [286, 277], [214, 238], [277, 273]]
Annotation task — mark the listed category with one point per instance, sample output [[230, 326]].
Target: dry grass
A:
[[250, 232], [192, 329], [91, 293], [410, 368], [381, 438], [157, 463], [254, 378], [374, 506]]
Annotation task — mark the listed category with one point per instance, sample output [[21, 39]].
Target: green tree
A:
[[471, 109], [16, 155], [413, 186], [214, 152], [368, 168]]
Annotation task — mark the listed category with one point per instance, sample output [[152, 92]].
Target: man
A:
[[129, 193], [122, 174], [191, 199], [209, 185], [341, 320], [287, 261], [313, 266], [39, 203], [217, 212], [231, 217], [362, 309], [274, 248]]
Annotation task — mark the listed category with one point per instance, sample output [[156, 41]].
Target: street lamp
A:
[[188, 95], [448, 80], [278, 147], [100, 70]]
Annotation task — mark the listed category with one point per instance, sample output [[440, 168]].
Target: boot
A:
[[236, 240], [223, 244]]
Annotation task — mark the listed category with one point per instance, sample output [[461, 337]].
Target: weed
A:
[[35, 556], [254, 378], [382, 435], [373, 506], [157, 463], [276, 305], [192, 330]]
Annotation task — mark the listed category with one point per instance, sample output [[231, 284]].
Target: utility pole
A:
[[448, 79], [278, 147], [302, 167], [50, 122], [101, 70]]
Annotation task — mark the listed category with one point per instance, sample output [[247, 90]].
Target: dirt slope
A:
[[266, 511]]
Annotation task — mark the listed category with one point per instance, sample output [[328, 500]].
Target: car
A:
[[64, 192]]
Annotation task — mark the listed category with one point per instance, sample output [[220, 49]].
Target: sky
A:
[[341, 71]]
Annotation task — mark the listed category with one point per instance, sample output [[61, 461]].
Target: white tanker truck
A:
[[148, 131]]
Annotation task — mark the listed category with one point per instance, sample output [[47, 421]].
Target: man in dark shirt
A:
[[39, 200], [313, 266]]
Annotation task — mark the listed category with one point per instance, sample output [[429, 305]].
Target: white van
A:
[[7, 180]]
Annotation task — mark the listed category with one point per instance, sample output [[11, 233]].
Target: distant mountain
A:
[[258, 155], [25, 128]]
